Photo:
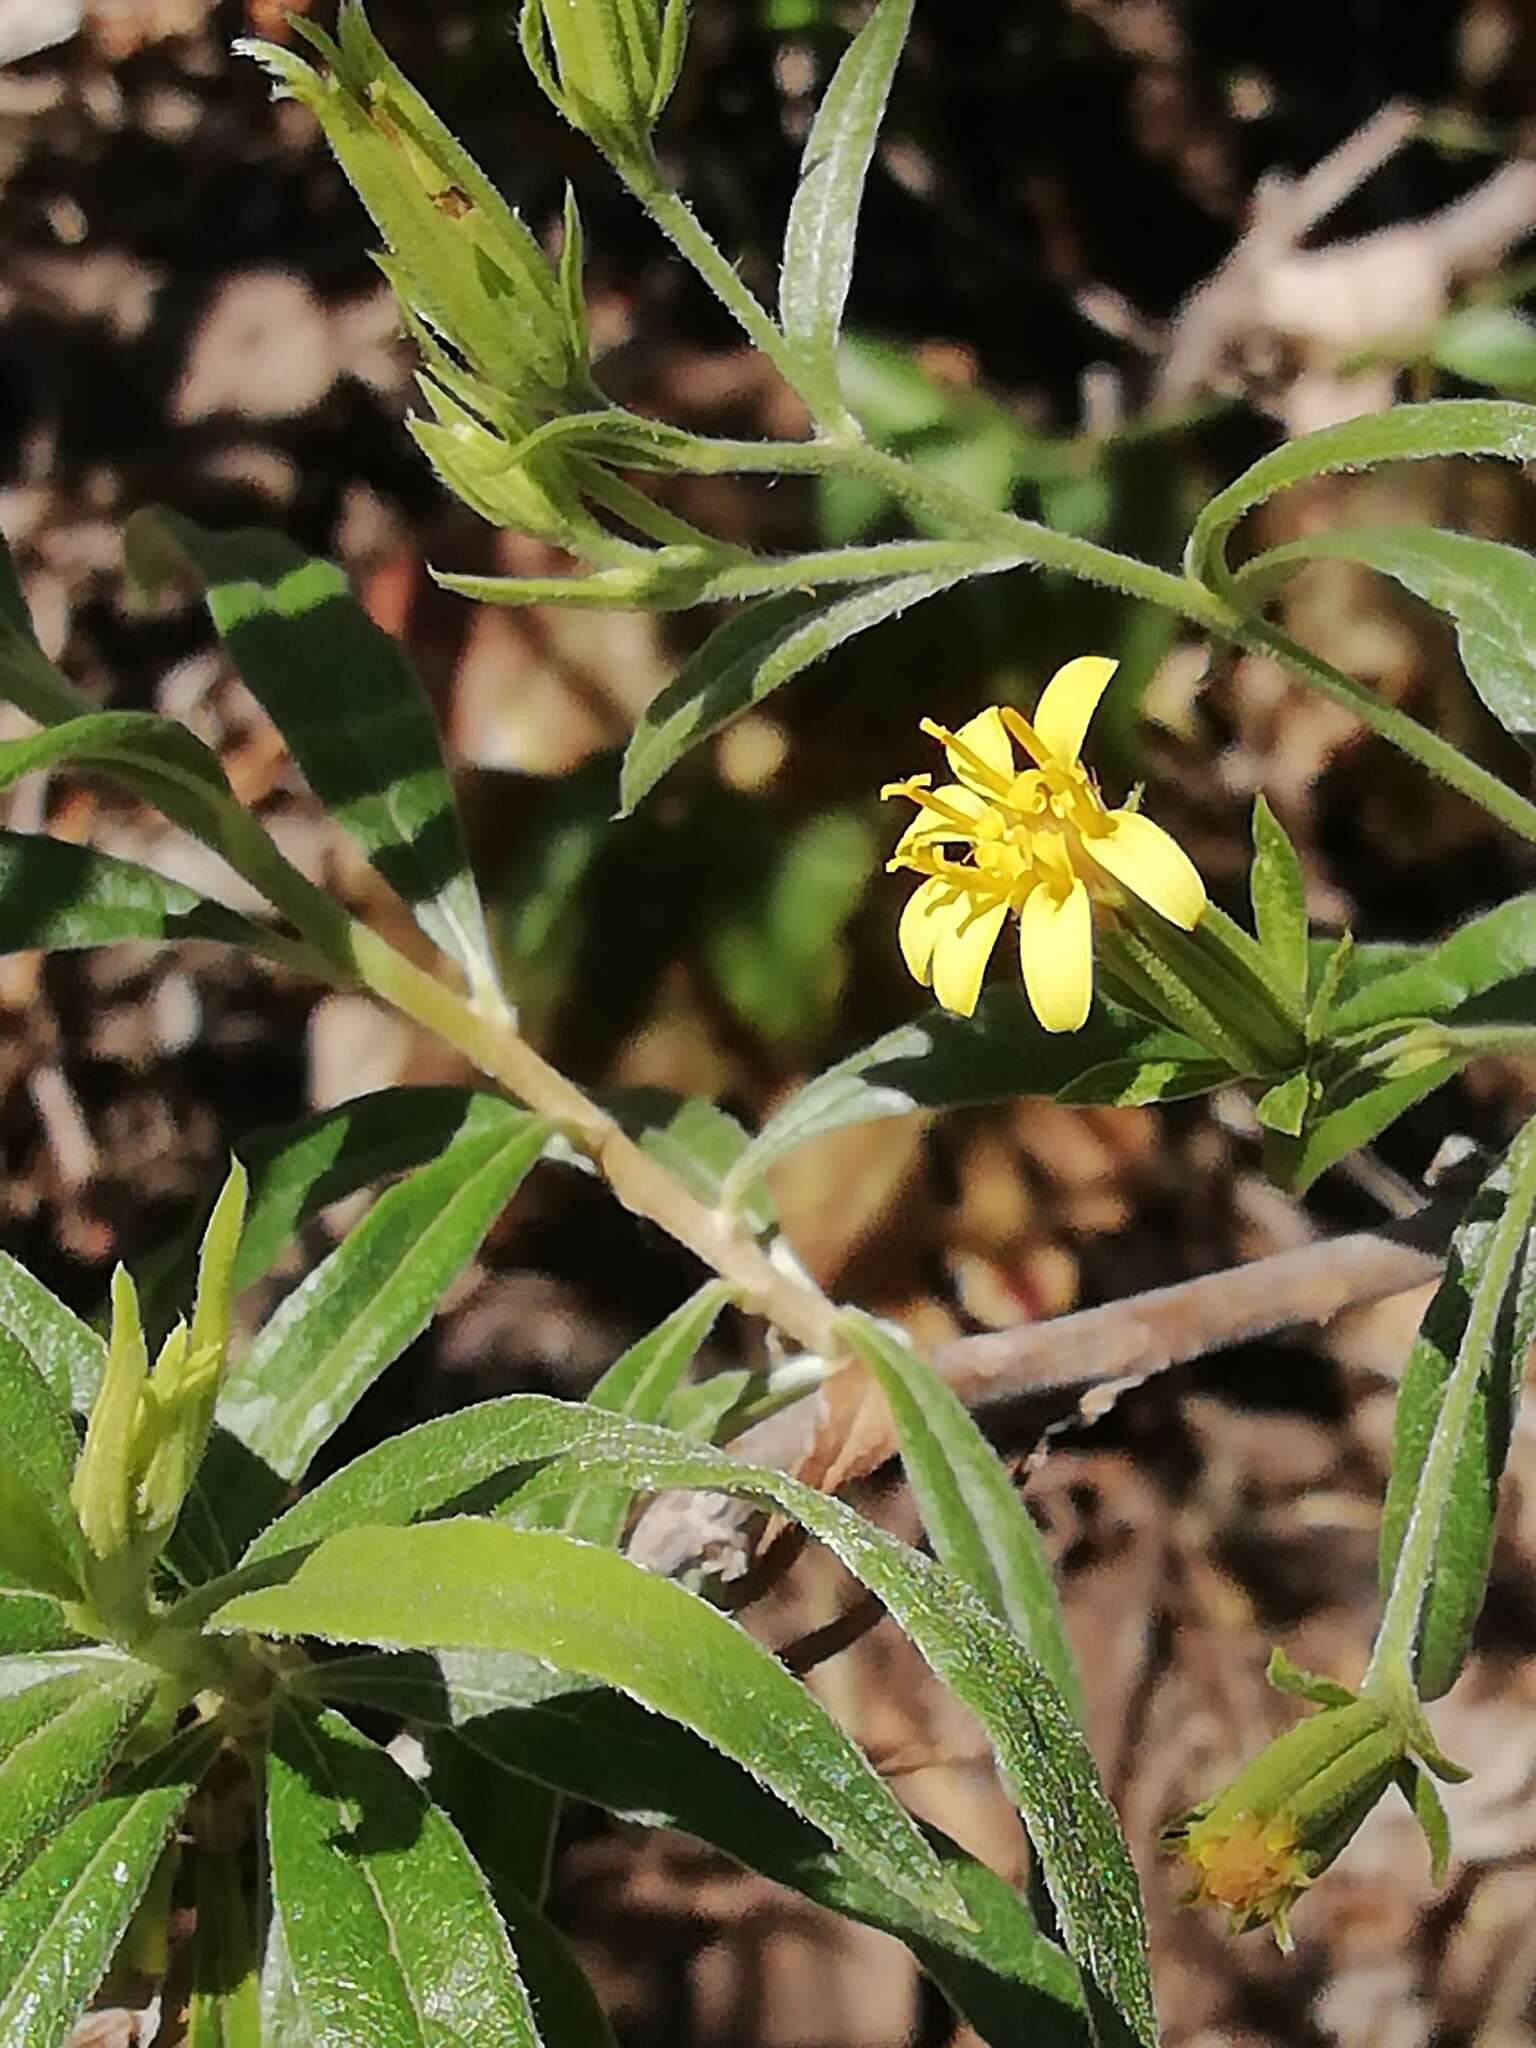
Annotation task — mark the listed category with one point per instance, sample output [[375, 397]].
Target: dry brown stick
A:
[[1095, 1347]]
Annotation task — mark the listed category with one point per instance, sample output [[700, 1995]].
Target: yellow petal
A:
[[918, 932], [964, 947], [1067, 703], [986, 737], [1056, 955], [1152, 865]]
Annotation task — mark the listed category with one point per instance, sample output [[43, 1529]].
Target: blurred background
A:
[[1113, 250]]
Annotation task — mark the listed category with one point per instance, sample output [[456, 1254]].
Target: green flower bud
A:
[[464, 261], [608, 65], [1259, 1844]]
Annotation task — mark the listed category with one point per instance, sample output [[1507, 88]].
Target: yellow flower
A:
[[1038, 842]]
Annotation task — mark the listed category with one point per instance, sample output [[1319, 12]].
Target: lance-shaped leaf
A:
[[823, 230], [1481, 974], [297, 1169], [1478, 1357], [746, 659], [1408, 433], [31, 1623], [388, 1928], [945, 1062], [1357, 1103], [1488, 589], [1279, 902], [57, 1743], [40, 1541], [1037, 1742], [62, 1919], [172, 769], [481, 1585], [63, 897], [971, 1510], [28, 679], [352, 711], [359, 1309], [1001, 1975]]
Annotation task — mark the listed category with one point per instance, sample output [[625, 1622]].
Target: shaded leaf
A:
[[1484, 973], [357, 1311], [1491, 345], [61, 897], [389, 1932], [746, 659], [224, 2008], [944, 1062], [352, 712], [1003, 1976]]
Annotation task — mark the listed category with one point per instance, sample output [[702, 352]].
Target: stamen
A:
[[1021, 729], [914, 789], [973, 761]]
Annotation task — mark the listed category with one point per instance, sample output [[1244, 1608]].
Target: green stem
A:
[[649, 183], [1390, 1674]]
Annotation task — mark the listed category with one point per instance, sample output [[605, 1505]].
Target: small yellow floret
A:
[[1036, 842]]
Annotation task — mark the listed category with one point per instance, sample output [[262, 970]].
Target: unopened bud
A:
[[608, 65]]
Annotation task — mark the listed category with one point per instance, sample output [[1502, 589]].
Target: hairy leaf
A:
[[822, 234], [481, 1585]]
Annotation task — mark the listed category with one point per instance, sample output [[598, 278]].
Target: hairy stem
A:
[[642, 1184]]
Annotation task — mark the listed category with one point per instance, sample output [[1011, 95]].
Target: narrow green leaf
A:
[[377, 1291], [1499, 1214], [822, 234], [40, 1542], [68, 1353], [62, 1919], [388, 1929], [1002, 1975], [63, 897], [640, 1384], [482, 1585], [1408, 433], [1279, 901], [970, 1507], [224, 2009], [746, 659], [1481, 974], [1036, 1739], [353, 714], [60, 1761], [1356, 1106], [945, 1062], [1487, 588]]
